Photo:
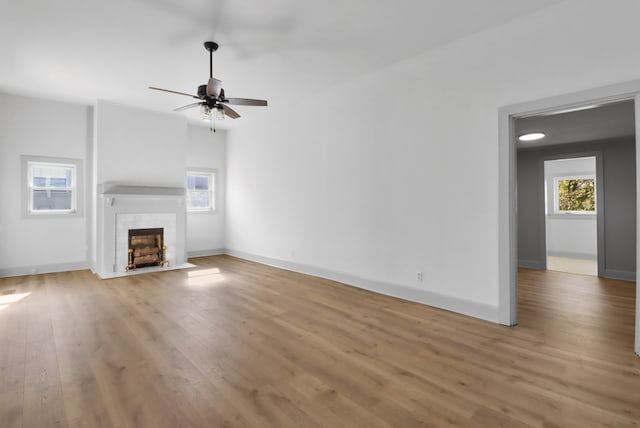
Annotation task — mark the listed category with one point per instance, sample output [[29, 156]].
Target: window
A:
[[201, 190], [51, 185], [575, 195]]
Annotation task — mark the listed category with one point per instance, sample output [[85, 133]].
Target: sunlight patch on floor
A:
[[8, 299], [204, 277], [571, 265]]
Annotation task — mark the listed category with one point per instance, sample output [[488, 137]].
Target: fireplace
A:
[[146, 248], [126, 207]]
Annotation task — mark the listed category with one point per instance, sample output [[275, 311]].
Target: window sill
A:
[[50, 215], [201, 212], [572, 216]]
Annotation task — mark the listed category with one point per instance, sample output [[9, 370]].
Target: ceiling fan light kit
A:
[[213, 102]]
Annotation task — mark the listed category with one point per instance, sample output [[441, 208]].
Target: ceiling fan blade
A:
[[173, 92], [245, 102], [213, 87], [230, 112], [188, 106]]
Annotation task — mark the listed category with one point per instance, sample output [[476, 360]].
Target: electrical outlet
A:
[[419, 276]]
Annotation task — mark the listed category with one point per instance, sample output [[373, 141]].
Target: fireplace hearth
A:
[[146, 248]]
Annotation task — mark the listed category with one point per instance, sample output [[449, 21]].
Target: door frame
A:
[[507, 186], [600, 210]]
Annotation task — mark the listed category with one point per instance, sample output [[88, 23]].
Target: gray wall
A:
[[618, 158]]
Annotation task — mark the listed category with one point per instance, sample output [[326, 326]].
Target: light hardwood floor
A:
[[237, 344]]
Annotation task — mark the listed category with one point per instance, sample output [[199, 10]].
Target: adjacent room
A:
[[577, 190], [319, 214]]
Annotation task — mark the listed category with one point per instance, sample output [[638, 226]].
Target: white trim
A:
[[77, 189], [637, 111], [599, 204], [507, 220], [213, 190], [38, 269], [205, 253], [573, 216], [465, 307], [507, 217], [125, 190], [573, 255]]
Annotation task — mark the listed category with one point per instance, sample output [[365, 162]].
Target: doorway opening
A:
[[571, 227], [516, 204]]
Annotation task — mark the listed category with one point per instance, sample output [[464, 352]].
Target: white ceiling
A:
[[84, 50], [609, 121]]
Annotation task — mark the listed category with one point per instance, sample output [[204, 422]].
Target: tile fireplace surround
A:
[[124, 207]]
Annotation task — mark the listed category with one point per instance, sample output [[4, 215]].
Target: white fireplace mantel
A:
[[124, 190], [121, 207]]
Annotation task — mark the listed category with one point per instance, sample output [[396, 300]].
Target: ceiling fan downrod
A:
[[211, 47]]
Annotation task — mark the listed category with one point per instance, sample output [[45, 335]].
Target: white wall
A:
[[140, 147], [397, 171], [571, 235], [126, 146], [206, 231], [30, 126]]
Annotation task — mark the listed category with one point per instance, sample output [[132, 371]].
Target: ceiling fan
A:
[[213, 101]]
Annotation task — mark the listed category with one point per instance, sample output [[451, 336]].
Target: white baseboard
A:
[[465, 307], [477, 310], [37, 269], [573, 255], [204, 253]]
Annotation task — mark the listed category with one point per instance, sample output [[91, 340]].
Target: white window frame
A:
[[556, 195], [28, 162], [212, 174]]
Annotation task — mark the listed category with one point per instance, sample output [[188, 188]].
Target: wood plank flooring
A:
[[232, 343]]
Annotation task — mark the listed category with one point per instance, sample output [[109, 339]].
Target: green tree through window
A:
[[577, 195]]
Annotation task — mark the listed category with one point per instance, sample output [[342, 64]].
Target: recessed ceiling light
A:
[[532, 136]]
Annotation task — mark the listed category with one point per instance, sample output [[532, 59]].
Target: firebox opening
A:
[[146, 248]]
